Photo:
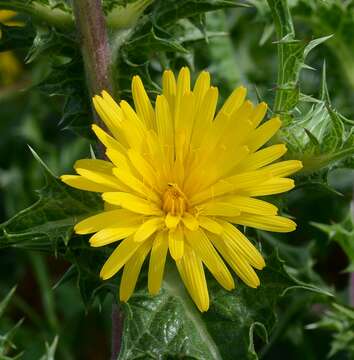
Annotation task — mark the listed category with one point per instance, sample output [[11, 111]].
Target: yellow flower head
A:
[[176, 180]]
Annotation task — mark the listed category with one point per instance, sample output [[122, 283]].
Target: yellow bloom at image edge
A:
[[178, 178]]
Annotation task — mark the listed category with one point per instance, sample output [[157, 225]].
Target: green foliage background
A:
[[298, 55]]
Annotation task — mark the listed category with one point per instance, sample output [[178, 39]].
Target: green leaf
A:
[[50, 350], [7, 347], [342, 233], [291, 59], [320, 137], [340, 321], [331, 17], [56, 13], [169, 324], [48, 223]]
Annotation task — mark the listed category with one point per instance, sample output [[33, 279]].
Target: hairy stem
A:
[[93, 38], [96, 54], [287, 78], [90, 22]]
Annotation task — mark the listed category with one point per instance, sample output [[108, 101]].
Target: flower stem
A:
[[285, 97], [96, 54], [93, 39]]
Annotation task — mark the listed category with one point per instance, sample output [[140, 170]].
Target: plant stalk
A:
[[93, 38], [96, 54], [286, 79]]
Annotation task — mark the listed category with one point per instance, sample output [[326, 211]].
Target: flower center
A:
[[174, 201]]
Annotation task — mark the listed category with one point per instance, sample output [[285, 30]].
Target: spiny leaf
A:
[[49, 222], [6, 344], [170, 325], [320, 136], [342, 233], [50, 350], [340, 320], [291, 59]]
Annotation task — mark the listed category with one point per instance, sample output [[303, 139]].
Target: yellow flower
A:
[[177, 178]]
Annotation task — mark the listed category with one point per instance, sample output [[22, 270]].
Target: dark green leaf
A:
[[169, 325], [342, 233], [49, 223], [340, 321]]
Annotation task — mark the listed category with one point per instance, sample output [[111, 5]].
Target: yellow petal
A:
[[200, 243], [131, 271], [270, 187], [209, 224], [251, 205], [107, 140], [165, 127], [133, 183], [183, 85], [94, 165], [191, 270], [239, 127], [142, 103], [119, 257], [230, 184], [79, 182], [217, 167], [100, 178], [176, 242], [148, 228], [134, 129], [111, 235], [190, 221], [118, 159], [201, 87], [172, 221], [146, 171], [119, 217], [237, 262], [169, 88], [259, 113], [112, 117], [269, 223], [157, 262], [284, 168], [184, 120], [204, 116], [214, 208], [262, 157], [235, 100], [240, 244], [262, 134], [132, 202]]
